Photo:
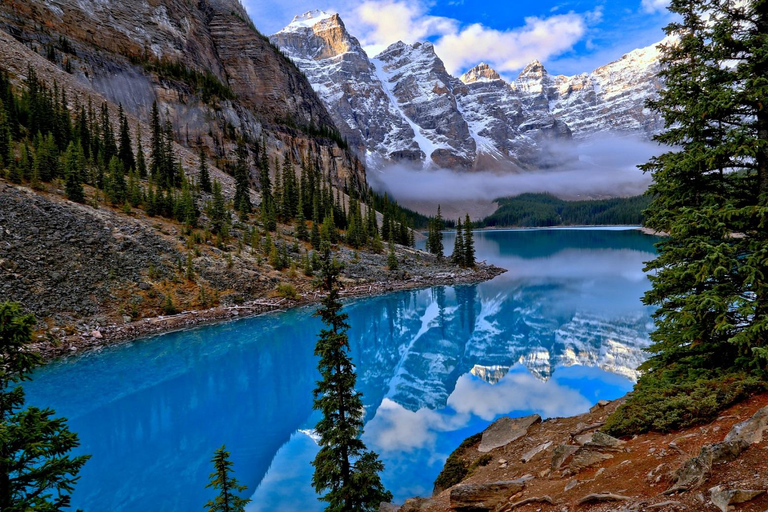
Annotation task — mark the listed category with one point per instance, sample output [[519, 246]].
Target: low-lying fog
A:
[[599, 168]]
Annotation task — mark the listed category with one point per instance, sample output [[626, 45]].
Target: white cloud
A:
[[540, 38], [396, 429], [379, 23], [517, 391], [653, 6]]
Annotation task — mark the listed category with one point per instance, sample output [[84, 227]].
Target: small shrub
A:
[[168, 307], [669, 399], [481, 461], [287, 291], [456, 468]]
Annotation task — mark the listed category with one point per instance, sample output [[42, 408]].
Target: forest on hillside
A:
[[542, 210]]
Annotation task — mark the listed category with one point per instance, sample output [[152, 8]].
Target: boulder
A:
[[505, 430], [530, 454], [724, 498], [482, 497], [584, 458], [561, 454], [599, 405], [750, 431], [604, 442]]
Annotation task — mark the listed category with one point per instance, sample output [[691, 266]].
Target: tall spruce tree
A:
[[712, 287], [156, 143], [141, 161], [469, 244], [125, 153], [242, 182], [222, 480], [36, 470], [345, 471], [204, 177], [458, 256], [74, 170]]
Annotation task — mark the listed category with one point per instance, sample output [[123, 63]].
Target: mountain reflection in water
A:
[[559, 331]]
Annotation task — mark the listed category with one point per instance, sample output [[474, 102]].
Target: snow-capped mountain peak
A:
[[480, 73], [309, 19], [404, 107]]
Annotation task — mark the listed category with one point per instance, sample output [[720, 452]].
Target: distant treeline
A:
[[540, 210]]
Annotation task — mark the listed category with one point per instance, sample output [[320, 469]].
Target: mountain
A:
[[402, 106], [210, 71]]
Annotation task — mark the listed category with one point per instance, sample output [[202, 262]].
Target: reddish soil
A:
[[641, 472]]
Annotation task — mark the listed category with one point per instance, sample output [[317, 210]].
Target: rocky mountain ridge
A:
[[422, 115]]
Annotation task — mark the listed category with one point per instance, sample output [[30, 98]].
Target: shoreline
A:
[[116, 334]]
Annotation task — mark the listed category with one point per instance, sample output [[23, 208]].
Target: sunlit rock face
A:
[[347, 81], [403, 107]]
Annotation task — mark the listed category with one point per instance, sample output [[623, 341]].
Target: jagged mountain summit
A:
[[403, 106]]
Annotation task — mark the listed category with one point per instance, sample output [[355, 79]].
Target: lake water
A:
[[561, 330]]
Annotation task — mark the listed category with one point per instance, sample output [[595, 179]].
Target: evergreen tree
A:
[[435, 237], [344, 470], [141, 162], [126, 151], [108, 143], [156, 143], [222, 480], [469, 244], [169, 177], [217, 210], [36, 472], [188, 208], [314, 237], [392, 257], [459, 256], [116, 187], [204, 176], [74, 169], [301, 227], [711, 287], [5, 138], [46, 162], [242, 183]]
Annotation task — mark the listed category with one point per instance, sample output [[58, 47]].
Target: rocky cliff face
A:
[[348, 82], [402, 105], [139, 51]]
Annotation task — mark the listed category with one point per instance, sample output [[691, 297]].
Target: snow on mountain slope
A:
[[347, 81], [402, 106]]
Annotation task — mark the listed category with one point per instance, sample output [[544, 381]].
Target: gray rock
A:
[[586, 457], [561, 454], [599, 405], [750, 431], [724, 498], [530, 454], [482, 497], [605, 442], [389, 507], [505, 430]]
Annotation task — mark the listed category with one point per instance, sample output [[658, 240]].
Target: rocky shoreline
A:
[[113, 334]]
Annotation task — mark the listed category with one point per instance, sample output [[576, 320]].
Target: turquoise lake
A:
[[561, 330]]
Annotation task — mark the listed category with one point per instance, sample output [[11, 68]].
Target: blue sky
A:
[[569, 37]]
